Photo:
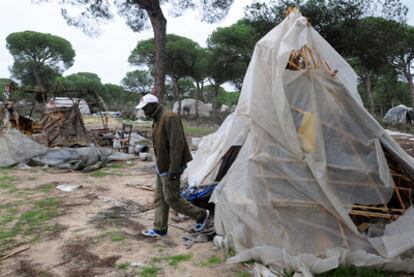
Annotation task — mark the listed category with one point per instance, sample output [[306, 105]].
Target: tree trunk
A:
[[37, 78], [39, 97], [215, 100], [159, 27], [200, 88], [177, 94], [196, 106], [368, 84], [410, 87], [197, 98]]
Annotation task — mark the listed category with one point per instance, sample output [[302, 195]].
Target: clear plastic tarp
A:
[[310, 151]]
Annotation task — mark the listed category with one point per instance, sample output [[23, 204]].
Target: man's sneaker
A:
[[202, 223], [152, 233]]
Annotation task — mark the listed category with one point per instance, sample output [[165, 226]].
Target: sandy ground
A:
[[93, 231]]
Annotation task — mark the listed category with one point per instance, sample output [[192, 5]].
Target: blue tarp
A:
[[194, 193]]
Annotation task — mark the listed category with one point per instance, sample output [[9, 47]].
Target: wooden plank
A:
[[15, 252], [377, 208], [373, 215]]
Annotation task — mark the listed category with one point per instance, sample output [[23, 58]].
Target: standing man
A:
[[172, 155]]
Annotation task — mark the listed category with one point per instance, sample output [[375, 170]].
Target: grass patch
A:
[[212, 261], [175, 260], [149, 271], [354, 272], [48, 203], [99, 173], [4, 171], [6, 218], [8, 234], [116, 165], [172, 260], [230, 253], [115, 236], [196, 131], [243, 274], [46, 187], [7, 183], [30, 224], [123, 266], [31, 221]]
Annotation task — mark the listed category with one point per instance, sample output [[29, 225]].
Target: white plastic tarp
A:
[[399, 114], [16, 147], [310, 151]]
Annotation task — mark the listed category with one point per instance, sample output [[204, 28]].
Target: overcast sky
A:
[[106, 55]]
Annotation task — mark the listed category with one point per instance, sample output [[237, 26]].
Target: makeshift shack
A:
[[307, 179], [70, 102], [63, 126], [400, 114]]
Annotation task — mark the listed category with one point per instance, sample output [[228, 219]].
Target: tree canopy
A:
[[182, 56], [38, 57], [139, 81], [139, 14], [231, 49], [114, 96]]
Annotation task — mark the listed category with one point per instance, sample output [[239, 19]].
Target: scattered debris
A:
[[137, 264], [207, 234], [68, 187], [145, 156], [23, 166], [190, 239], [109, 200], [141, 186]]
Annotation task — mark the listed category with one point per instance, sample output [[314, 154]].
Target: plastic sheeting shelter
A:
[[189, 107], [70, 102], [400, 114], [311, 156]]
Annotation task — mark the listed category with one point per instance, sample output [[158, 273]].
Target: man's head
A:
[[149, 103]]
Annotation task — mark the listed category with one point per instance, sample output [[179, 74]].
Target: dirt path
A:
[[92, 231]]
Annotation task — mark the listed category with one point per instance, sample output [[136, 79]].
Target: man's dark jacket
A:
[[170, 144]]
